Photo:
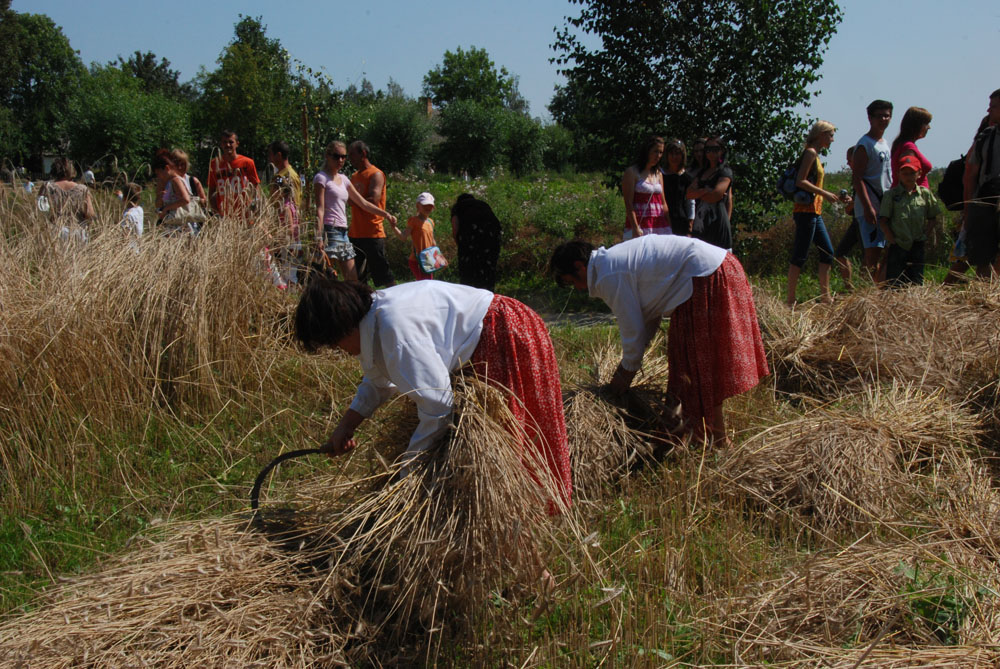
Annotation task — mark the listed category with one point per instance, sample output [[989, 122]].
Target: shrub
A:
[[398, 134], [523, 143], [472, 138], [557, 147]]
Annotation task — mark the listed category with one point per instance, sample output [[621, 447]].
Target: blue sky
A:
[[944, 56]]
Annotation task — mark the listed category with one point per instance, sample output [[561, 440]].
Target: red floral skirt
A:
[[714, 346], [515, 353]]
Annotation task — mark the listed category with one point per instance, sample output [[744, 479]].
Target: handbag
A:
[[189, 213], [431, 260]]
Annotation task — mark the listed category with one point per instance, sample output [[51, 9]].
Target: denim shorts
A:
[[338, 246], [871, 235]]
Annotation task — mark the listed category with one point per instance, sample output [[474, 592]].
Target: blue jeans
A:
[[809, 229]]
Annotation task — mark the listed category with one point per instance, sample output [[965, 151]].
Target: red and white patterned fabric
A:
[[515, 353], [714, 345], [650, 209]]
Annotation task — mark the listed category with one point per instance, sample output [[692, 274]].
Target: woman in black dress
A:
[[675, 184], [476, 230]]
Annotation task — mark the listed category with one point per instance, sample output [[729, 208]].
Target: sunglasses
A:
[[338, 156]]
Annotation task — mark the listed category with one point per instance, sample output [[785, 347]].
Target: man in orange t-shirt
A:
[[233, 184], [366, 233]]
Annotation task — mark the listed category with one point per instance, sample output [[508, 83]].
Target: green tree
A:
[[522, 142], [398, 134], [473, 134], [252, 92], [156, 77], [112, 117], [38, 72], [736, 68], [472, 75]]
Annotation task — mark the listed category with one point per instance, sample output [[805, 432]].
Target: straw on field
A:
[[361, 569]]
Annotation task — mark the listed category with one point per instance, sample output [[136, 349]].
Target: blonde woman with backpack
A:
[[808, 212]]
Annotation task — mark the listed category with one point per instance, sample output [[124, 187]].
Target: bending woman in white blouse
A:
[[411, 337], [714, 348]]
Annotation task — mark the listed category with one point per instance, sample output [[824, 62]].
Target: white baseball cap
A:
[[425, 198]]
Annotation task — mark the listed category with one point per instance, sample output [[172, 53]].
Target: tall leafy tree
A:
[[252, 92], [687, 68], [472, 75], [113, 118], [156, 77], [38, 72]]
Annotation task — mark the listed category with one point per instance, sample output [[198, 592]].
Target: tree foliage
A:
[[111, 116], [691, 68], [398, 134], [38, 72], [472, 75], [252, 92], [473, 134], [156, 77]]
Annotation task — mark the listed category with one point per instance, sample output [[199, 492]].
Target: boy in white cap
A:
[[420, 230]]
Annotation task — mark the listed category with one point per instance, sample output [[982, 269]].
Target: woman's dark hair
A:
[[329, 310], [675, 144], [460, 199], [566, 255], [722, 154], [162, 160], [697, 165], [643, 155], [914, 119], [62, 169]]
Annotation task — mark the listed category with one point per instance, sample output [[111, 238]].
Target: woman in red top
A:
[[915, 124]]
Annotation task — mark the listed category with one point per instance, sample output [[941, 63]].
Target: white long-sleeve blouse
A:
[[413, 337], [645, 279]]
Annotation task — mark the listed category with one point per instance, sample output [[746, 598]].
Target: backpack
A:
[[786, 185], [951, 190]]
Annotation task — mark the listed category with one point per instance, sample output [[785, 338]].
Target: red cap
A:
[[909, 162]]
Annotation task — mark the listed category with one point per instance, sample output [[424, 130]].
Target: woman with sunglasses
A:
[[709, 191], [642, 188], [332, 190]]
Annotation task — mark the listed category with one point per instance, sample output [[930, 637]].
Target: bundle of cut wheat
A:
[[362, 571], [931, 336], [922, 596], [862, 460]]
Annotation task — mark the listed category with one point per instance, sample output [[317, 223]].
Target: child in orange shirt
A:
[[420, 230]]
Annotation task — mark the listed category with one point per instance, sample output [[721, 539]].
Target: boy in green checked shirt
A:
[[907, 215]]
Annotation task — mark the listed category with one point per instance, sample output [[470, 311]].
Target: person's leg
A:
[[805, 227], [915, 264], [716, 428], [378, 263], [895, 265], [793, 281], [850, 239], [825, 246], [348, 269], [844, 267], [870, 263], [824, 283], [981, 238]]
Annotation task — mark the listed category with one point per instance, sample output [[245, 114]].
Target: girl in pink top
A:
[[915, 124]]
